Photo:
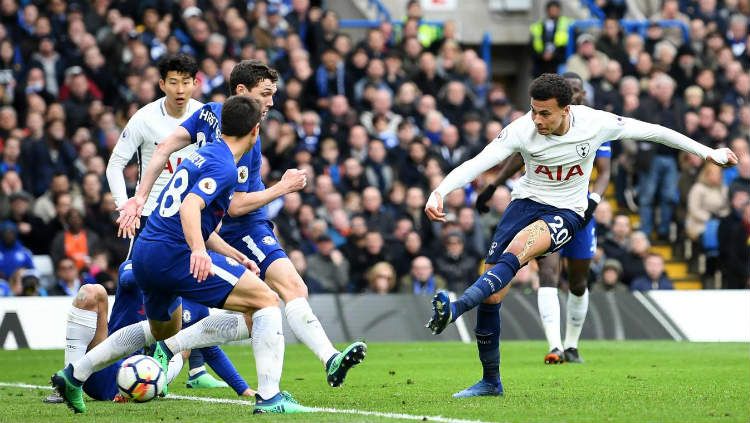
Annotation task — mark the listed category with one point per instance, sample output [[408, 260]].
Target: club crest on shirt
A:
[[207, 185], [268, 240], [583, 149], [186, 316], [242, 174]]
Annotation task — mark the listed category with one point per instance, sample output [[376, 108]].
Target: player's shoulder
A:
[[520, 127], [590, 116], [194, 104]]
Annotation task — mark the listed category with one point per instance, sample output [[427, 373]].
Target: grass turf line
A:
[[620, 381]]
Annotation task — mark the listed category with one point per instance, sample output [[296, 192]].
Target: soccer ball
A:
[[140, 378]]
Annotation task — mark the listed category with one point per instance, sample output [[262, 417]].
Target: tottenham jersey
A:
[[211, 173], [147, 128], [558, 167], [204, 126]]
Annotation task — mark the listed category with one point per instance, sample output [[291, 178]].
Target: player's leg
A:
[[549, 306], [577, 307]]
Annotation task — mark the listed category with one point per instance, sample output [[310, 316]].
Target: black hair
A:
[[239, 116], [551, 85], [573, 75], [180, 63], [552, 3], [249, 73]]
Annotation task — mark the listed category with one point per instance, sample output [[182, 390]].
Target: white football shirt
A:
[[558, 168], [147, 128]]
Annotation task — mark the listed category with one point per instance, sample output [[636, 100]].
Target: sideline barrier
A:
[[39, 323]]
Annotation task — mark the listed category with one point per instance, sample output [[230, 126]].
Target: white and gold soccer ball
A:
[[140, 378]]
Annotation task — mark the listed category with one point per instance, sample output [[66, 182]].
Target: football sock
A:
[[196, 362], [213, 330], [492, 281], [577, 308], [487, 333], [218, 360], [307, 328], [549, 311], [268, 349], [80, 330], [174, 367], [119, 344]]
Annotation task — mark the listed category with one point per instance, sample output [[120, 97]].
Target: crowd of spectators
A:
[[375, 123]]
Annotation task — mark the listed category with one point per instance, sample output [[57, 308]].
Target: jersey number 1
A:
[[174, 193]]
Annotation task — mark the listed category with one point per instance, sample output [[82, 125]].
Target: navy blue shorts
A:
[[162, 271], [102, 385], [192, 312], [583, 244], [256, 241], [563, 224]]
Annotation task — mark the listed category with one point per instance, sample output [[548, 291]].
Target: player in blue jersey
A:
[[578, 252], [87, 326], [248, 228], [171, 259]]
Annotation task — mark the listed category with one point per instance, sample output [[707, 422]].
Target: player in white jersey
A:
[[557, 141], [144, 131]]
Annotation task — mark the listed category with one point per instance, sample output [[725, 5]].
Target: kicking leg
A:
[[549, 306], [578, 305]]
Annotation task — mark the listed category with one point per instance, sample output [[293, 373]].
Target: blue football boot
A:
[[481, 389], [441, 313]]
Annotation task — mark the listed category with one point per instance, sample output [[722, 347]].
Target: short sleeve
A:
[[604, 151], [192, 124]]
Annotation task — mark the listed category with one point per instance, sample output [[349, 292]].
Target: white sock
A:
[[307, 328], [213, 330], [174, 367], [577, 308], [197, 370], [549, 311], [80, 330], [121, 343], [268, 349]]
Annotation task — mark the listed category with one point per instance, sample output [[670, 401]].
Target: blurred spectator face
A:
[[63, 204], [352, 168], [413, 243], [397, 194], [146, 92], [662, 88], [329, 151], [20, 206], [375, 69], [427, 63], [371, 200], [740, 199], [381, 102], [373, 243], [75, 221], [298, 261], [342, 44], [92, 186], [478, 72], [93, 58], [323, 186], [639, 243], [325, 246], [693, 96], [455, 93], [10, 233], [492, 130], [454, 245], [603, 213], [12, 150], [613, 72], [706, 117], [434, 122], [455, 200], [611, 28], [500, 199], [66, 271], [449, 137], [432, 168], [740, 146], [742, 84], [621, 227], [644, 64], [719, 132], [421, 268], [426, 105], [412, 47], [11, 182], [358, 137], [414, 198], [381, 278], [42, 27], [705, 79], [743, 166], [629, 86], [59, 184], [79, 86], [359, 226], [330, 60], [376, 151], [376, 40], [339, 105], [292, 202], [610, 276], [466, 219], [654, 265], [633, 45], [340, 221], [691, 122]]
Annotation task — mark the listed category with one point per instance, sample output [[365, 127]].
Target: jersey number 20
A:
[[173, 194]]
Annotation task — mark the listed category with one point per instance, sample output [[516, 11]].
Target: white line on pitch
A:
[[317, 409]]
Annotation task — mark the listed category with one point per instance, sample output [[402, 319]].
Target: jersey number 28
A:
[[173, 194]]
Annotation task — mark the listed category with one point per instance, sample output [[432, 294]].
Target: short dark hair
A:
[[573, 75], [239, 116], [249, 73], [180, 63], [551, 85]]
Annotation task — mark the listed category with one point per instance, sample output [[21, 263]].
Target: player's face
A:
[[263, 92], [178, 87], [548, 116]]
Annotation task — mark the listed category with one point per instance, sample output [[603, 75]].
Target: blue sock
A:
[[195, 360], [489, 283], [487, 333]]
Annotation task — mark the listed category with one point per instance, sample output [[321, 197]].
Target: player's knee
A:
[[294, 288], [578, 286], [89, 297], [548, 278], [268, 298]]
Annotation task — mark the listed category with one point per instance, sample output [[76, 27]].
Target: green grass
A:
[[620, 382]]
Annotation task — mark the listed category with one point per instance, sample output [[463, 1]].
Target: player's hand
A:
[[200, 265], [293, 180], [484, 197], [250, 265], [434, 208], [248, 393], [130, 214], [723, 157], [594, 200]]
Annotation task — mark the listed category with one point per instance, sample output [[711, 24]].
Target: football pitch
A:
[[620, 382]]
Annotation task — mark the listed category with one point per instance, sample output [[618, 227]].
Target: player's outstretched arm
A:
[[128, 143], [246, 202], [190, 217], [508, 168], [130, 212]]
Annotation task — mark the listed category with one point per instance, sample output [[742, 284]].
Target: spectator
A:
[[706, 202], [23, 283], [633, 261], [13, 255], [655, 277], [329, 266], [585, 52], [378, 218], [549, 39], [68, 278], [30, 228], [299, 261], [378, 172], [381, 278], [45, 206], [734, 248], [610, 279], [422, 280], [454, 263], [75, 242]]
